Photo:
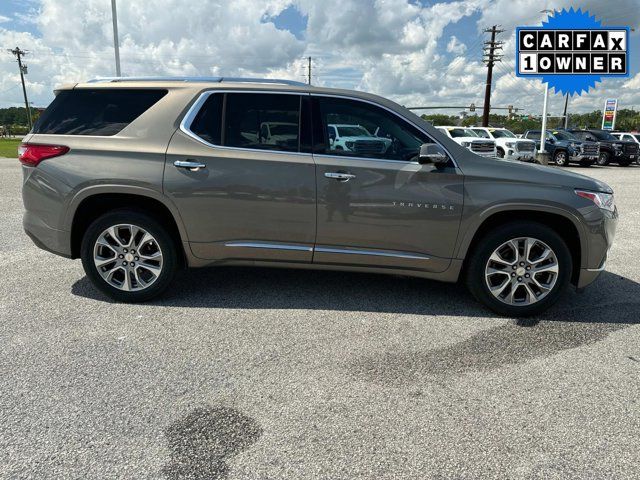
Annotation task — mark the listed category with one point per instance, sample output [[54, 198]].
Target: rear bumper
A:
[[45, 237]]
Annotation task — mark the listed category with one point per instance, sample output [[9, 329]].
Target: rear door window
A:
[[101, 112], [265, 121]]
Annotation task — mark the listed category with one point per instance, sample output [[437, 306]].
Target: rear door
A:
[[377, 206], [243, 195]]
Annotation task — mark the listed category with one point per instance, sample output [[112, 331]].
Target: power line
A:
[[23, 69]]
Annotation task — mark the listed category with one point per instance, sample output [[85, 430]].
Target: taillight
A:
[[32, 154]]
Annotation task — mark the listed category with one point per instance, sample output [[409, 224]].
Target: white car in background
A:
[[468, 139], [508, 145], [356, 138]]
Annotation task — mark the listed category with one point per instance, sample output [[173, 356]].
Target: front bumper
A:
[[601, 231], [520, 156], [582, 158]]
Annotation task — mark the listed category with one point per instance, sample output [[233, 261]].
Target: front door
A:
[[244, 189], [377, 206]]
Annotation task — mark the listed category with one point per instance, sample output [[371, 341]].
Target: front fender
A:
[[474, 222]]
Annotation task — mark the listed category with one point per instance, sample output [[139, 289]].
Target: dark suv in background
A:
[[565, 148], [138, 177], [612, 149]]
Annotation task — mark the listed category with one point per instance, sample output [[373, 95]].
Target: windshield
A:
[[637, 136], [355, 131], [284, 129], [564, 136], [461, 132], [604, 136], [503, 134], [481, 133]]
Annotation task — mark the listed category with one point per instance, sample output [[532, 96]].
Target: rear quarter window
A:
[[102, 112]]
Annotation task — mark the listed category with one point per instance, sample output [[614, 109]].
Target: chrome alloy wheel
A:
[[522, 271], [127, 257]]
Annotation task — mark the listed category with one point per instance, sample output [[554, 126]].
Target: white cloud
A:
[[4, 19], [397, 48], [456, 46]]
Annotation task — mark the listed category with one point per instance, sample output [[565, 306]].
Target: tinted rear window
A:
[[101, 112]]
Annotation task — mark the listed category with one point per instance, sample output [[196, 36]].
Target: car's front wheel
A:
[[129, 256], [519, 269], [603, 159], [561, 158]]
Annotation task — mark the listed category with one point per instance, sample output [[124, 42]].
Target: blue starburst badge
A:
[[572, 51]]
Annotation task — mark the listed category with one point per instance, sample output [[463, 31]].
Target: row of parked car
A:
[[583, 146]]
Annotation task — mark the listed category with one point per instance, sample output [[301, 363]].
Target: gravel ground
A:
[[253, 373]]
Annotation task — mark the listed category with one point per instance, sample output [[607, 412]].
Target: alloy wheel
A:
[[127, 257], [561, 159], [522, 271]]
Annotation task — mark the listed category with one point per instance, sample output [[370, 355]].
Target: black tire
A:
[[624, 163], [561, 158], [479, 258], [500, 153], [603, 159], [165, 243]]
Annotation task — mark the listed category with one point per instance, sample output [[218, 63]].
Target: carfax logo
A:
[[572, 51]]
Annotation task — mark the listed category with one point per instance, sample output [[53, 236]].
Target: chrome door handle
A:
[[189, 165], [343, 177]]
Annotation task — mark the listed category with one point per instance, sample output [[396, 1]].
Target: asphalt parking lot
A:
[[252, 373]]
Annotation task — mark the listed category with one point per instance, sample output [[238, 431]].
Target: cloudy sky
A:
[[415, 52]]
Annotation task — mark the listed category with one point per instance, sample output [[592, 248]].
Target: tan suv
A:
[[141, 176]]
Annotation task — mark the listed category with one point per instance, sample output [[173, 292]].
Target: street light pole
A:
[[116, 45]]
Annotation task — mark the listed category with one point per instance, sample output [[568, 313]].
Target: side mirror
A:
[[550, 140], [331, 140], [432, 153]]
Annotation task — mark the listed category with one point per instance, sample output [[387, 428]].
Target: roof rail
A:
[[196, 79]]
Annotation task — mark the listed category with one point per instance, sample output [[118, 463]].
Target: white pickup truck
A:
[[356, 138], [468, 139], [508, 145]]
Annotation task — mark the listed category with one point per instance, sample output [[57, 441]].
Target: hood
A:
[[519, 172], [472, 139]]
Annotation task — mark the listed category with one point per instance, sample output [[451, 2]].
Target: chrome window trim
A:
[[347, 97], [270, 246], [189, 117], [375, 253], [350, 157]]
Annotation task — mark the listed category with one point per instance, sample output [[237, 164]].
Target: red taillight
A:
[[32, 154]]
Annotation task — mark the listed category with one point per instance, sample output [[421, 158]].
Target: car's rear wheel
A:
[[561, 158], [129, 256], [519, 269], [603, 159]]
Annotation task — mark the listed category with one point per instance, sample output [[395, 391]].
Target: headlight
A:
[[573, 145], [617, 146], [602, 200], [466, 144], [349, 145], [510, 144]]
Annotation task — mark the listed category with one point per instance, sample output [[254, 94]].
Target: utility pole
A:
[[309, 70], [490, 57], [116, 43], [23, 69]]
